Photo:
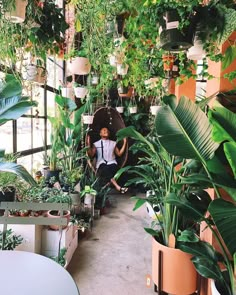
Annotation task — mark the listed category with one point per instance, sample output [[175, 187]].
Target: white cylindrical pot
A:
[[87, 119], [214, 291], [94, 80], [133, 110], [154, 110], [120, 110], [79, 66], [75, 198], [89, 200], [80, 92], [17, 15], [30, 72], [67, 92], [122, 69], [112, 60]]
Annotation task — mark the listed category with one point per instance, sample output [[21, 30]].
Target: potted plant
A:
[[80, 90], [78, 63], [15, 10], [55, 195]]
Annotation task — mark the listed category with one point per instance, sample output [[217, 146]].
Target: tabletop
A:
[[26, 273]]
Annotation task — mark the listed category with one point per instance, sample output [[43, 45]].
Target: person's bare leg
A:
[[116, 185]]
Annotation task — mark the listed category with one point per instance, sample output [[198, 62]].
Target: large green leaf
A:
[[18, 170], [14, 107], [185, 131], [224, 216], [223, 122], [230, 152], [11, 87]]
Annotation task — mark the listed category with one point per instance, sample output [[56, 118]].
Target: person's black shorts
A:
[[106, 172]]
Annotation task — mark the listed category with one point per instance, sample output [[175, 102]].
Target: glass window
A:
[[6, 138], [33, 162]]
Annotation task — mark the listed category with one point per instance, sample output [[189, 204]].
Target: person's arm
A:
[[91, 150], [120, 152]]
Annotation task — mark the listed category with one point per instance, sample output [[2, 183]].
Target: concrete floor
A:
[[116, 257]]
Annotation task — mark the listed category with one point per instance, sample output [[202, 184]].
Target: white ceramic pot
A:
[[87, 119], [133, 110], [154, 110], [79, 66], [67, 92], [17, 15], [75, 198], [94, 80], [120, 110], [112, 60], [196, 52], [214, 291], [122, 69], [89, 200], [80, 92], [30, 73]]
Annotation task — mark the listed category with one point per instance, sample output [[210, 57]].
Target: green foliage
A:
[[9, 240]]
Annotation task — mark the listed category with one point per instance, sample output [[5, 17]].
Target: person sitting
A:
[[106, 151]]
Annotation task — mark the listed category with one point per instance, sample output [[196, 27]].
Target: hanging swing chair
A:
[[107, 117]]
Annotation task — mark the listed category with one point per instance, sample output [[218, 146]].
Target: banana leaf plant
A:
[[184, 130], [12, 106]]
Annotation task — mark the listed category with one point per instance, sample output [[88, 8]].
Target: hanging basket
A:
[[120, 109], [154, 109], [79, 66], [67, 92], [80, 92], [133, 109], [171, 38], [122, 69], [17, 15], [87, 119]]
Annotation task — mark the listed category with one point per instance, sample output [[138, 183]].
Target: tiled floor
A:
[[116, 258]]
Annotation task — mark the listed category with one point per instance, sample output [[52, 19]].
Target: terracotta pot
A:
[[79, 66], [54, 214], [168, 62], [178, 275], [17, 15]]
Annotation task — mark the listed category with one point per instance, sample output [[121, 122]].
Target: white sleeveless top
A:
[[108, 151]]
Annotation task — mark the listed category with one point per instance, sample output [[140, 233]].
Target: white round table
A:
[[26, 273]]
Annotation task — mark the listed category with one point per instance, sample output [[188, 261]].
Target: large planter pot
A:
[[171, 38], [8, 195], [79, 66], [172, 270], [17, 15], [55, 214]]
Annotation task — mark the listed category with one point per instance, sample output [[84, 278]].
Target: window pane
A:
[[33, 162], [38, 132], [24, 134], [55, 73], [6, 139], [51, 103]]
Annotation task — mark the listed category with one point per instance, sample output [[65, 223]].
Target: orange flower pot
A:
[[177, 273], [168, 62]]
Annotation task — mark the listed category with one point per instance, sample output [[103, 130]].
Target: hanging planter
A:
[[34, 73], [119, 107], [80, 91], [67, 92], [196, 52], [87, 119], [171, 37], [154, 109], [17, 14], [94, 79], [168, 61], [122, 69], [79, 66]]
